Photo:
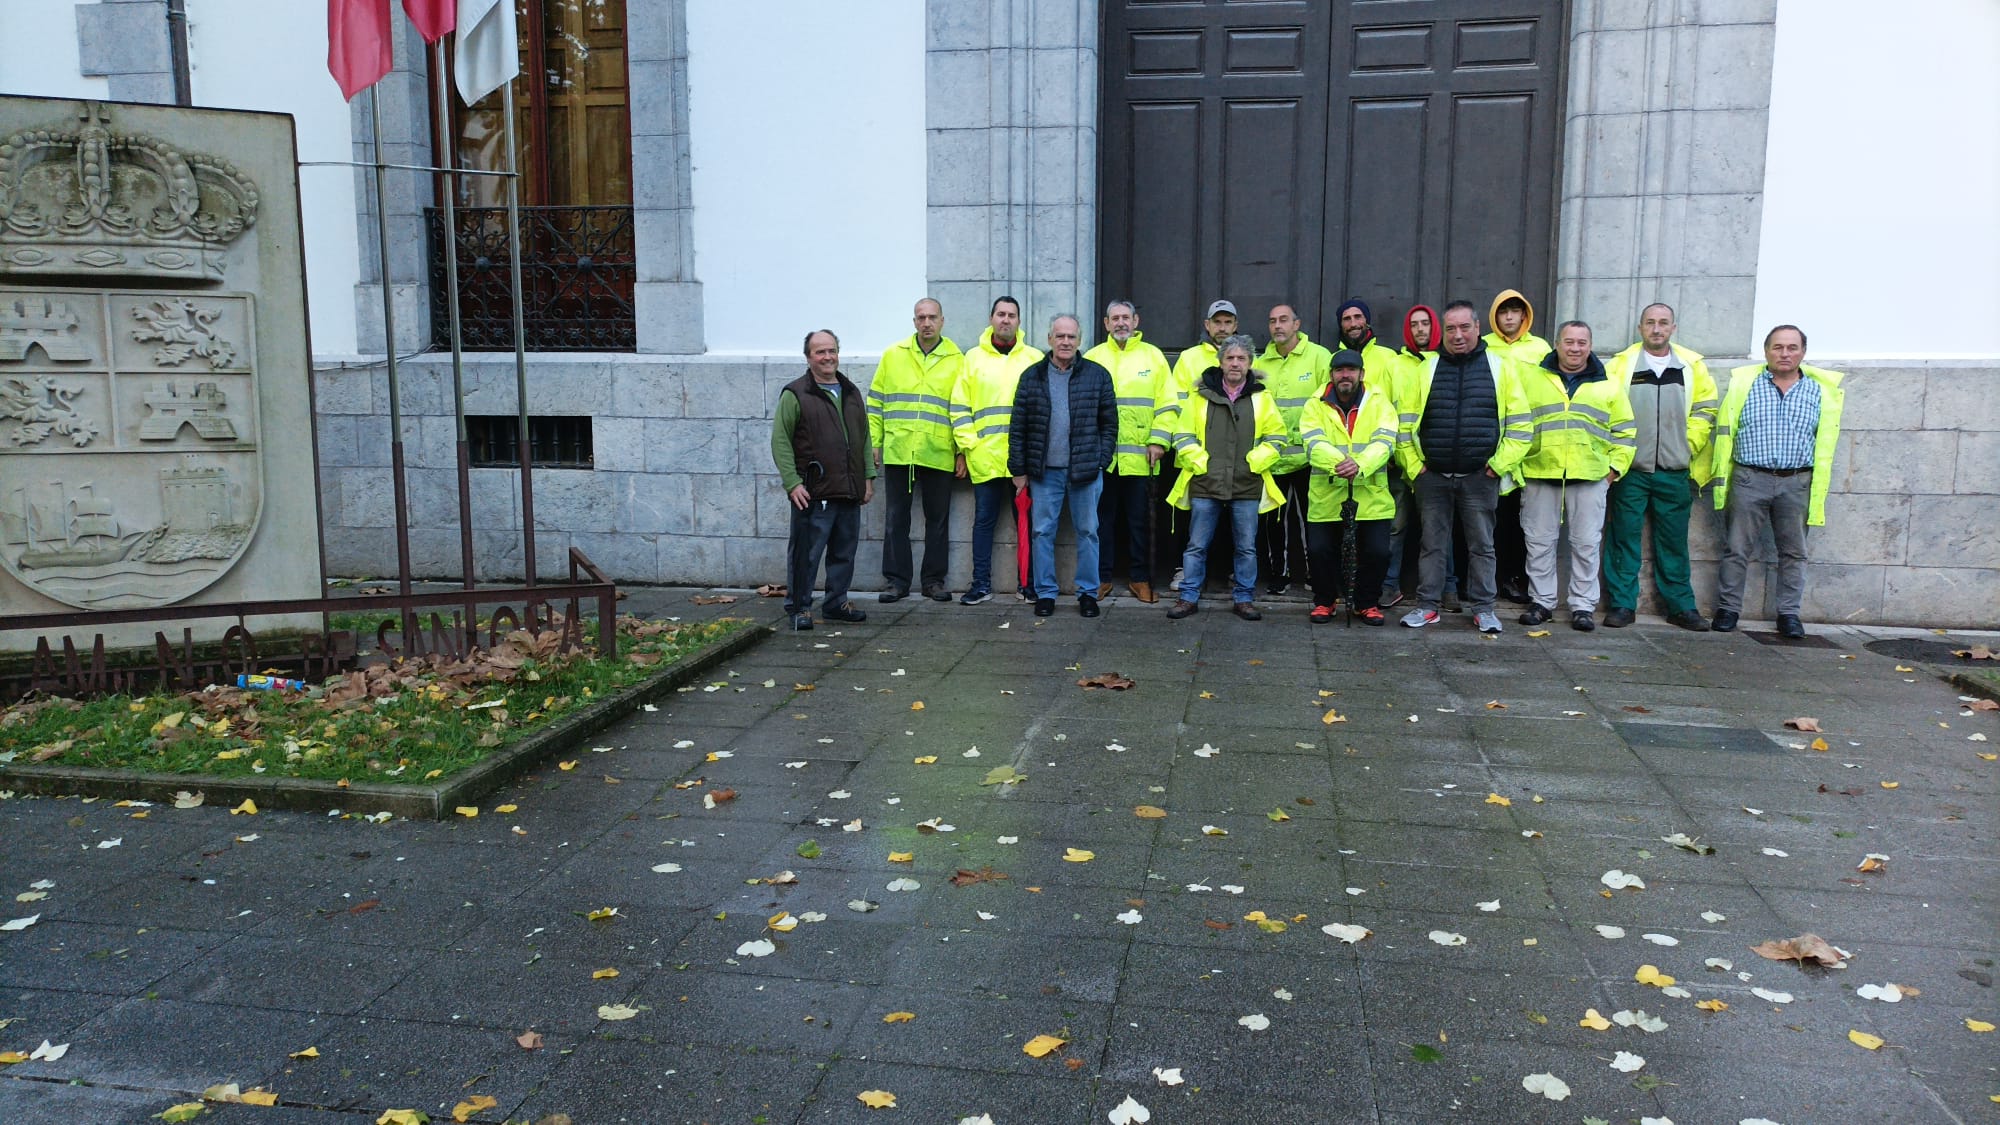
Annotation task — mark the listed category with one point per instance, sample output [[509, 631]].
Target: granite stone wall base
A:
[[684, 491]]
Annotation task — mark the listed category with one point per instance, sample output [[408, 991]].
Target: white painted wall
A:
[[1881, 227], [807, 124], [255, 54], [38, 53]]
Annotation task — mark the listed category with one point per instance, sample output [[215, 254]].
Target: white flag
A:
[[487, 53]]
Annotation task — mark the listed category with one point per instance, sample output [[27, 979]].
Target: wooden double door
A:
[[1306, 151]]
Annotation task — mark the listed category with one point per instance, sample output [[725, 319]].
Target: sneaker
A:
[[1536, 614], [1087, 606], [1618, 617], [976, 595], [1582, 621], [1320, 615], [937, 592], [893, 594], [1045, 607], [801, 622], [1277, 587], [1418, 618], [1024, 595], [1177, 578], [1247, 611], [1372, 616], [1683, 618], [1487, 622], [845, 611], [1391, 597], [1181, 609]]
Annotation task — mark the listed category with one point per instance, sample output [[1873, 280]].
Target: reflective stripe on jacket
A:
[[1581, 436], [1189, 367], [909, 403], [1293, 380], [1515, 432], [1190, 443], [1718, 465], [1139, 376], [1371, 443], [982, 405]]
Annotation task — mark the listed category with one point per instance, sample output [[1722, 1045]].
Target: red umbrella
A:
[[1022, 505]]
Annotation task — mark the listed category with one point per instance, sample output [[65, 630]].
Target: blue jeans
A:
[[1048, 492], [991, 500], [1201, 530]]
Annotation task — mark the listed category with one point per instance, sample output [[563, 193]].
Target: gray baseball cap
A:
[[1220, 307]]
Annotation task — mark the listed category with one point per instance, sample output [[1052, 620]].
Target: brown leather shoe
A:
[[1247, 611], [1104, 591], [1181, 609], [1144, 592]]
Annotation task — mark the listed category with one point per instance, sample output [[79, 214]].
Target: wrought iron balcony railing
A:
[[577, 271]]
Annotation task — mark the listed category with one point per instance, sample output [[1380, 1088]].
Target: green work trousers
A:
[[1667, 497]]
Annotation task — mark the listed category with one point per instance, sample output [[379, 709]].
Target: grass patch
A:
[[408, 722], [1983, 678]]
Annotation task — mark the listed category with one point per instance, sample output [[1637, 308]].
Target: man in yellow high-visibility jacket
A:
[[982, 408], [1195, 361], [1139, 377], [909, 423], [1293, 369]]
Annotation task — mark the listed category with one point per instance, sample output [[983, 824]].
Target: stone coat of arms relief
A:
[[131, 471]]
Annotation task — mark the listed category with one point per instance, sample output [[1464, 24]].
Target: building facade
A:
[[709, 179]]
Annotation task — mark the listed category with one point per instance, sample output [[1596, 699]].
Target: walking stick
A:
[[1348, 509]]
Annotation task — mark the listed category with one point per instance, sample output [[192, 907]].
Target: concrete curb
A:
[[1972, 685], [426, 802]]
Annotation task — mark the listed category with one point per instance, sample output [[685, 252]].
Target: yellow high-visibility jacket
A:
[[982, 405], [1580, 437], [1191, 447], [1371, 443], [1139, 377], [1293, 380], [1719, 463], [1189, 367], [909, 404]]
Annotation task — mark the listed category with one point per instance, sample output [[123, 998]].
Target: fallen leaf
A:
[[49, 1052], [1594, 1021], [1639, 1019], [1616, 879], [602, 913], [1539, 633], [1212, 830], [1650, 974], [1129, 1112], [187, 800], [1147, 812], [1887, 993], [808, 850], [877, 1099], [1688, 843], [904, 884], [1805, 947], [467, 811], [1345, 932], [1167, 1076], [1865, 1040], [1255, 1022], [1131, 917], [1547, 1085], [1278, 816], [1332, 717], [1077, 855], [1661, 939], [1803, 722], [926, 760], [917, 706], [20, 923], [1771, 995], [1004, 775], [899, 1017], [1711, 1005], [1446, 937], [1626, 1062], [403, 1117], [529, 1040], [1638, 710], [464, 1110], [1041, 1045], [965, 878], [604, 974], [1610, 933], [1891, 784], [247, 808], [1978, 1025], [185, 1111], [1113, 680], [666, 868], [1873, 861], [619, 1011], [1497, 799]]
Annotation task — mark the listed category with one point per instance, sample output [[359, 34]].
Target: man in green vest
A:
[[909, 424], [1772, 463], [819, 442]]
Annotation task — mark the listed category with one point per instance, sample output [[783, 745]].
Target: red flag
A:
[[357, 43], [433, 18]]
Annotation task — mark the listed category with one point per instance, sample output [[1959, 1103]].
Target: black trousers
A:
[[832, 528], [1282, 549], [1510, 546], [1371, 560], [901, 483], [1170, 524], [1121, 527]]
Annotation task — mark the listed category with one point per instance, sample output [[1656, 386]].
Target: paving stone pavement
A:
[[1473, 787]]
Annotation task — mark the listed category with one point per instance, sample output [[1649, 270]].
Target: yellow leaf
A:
[[1988, 757], [1254, 916], [308, 1053], [1325, 694], [1497, 799], [1078, 855], [1539, 633], [902, 857], [505, 808], [926, 760], [9, 1058], [1278, 816], [877, 1099], [601, 913], [464, 1110], [917, 706], [566, 766], [247, 808], [1649, 974], [1593, 1021], [402, 1117], [433, 775], [1819, 744], [1332, 717], [899, 1017], [604, 974], [1711, 1005], [467, 811], [1495, 705], [1863, 1039], [1149, 812], [1041, 1045], [229, 755], [782, 921], [1977, 1025], [1891, 784], [261, 1097], [1208, 695], [1271, 926]]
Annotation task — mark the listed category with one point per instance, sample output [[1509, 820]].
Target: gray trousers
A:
[[826, 527], [1546, 506], [1473, 498], [1758, 500]]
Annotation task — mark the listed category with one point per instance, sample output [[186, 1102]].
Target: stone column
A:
[[406, 139], [668, 296], [1011, 121], [126, 41], [1663, 167]]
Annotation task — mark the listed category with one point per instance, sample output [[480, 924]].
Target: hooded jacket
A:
[[1293, 380], [909, 403], [1371, 441], [1674, 410], [1222, 444], [1582, 434], [982, 405], [1524, 346], [1720, 461], [1140, 376]]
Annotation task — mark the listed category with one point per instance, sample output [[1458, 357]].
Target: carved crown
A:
[[92, 201]]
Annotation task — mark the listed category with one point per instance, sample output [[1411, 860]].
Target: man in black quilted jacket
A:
[[1061, 439]]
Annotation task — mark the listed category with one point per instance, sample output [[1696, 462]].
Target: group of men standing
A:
[[1323, 465]]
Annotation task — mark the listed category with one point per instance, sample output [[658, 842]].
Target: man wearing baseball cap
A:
[[1193, 362]]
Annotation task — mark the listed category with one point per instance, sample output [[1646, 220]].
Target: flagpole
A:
[[447, 172], [520, 335], [401, 490]]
